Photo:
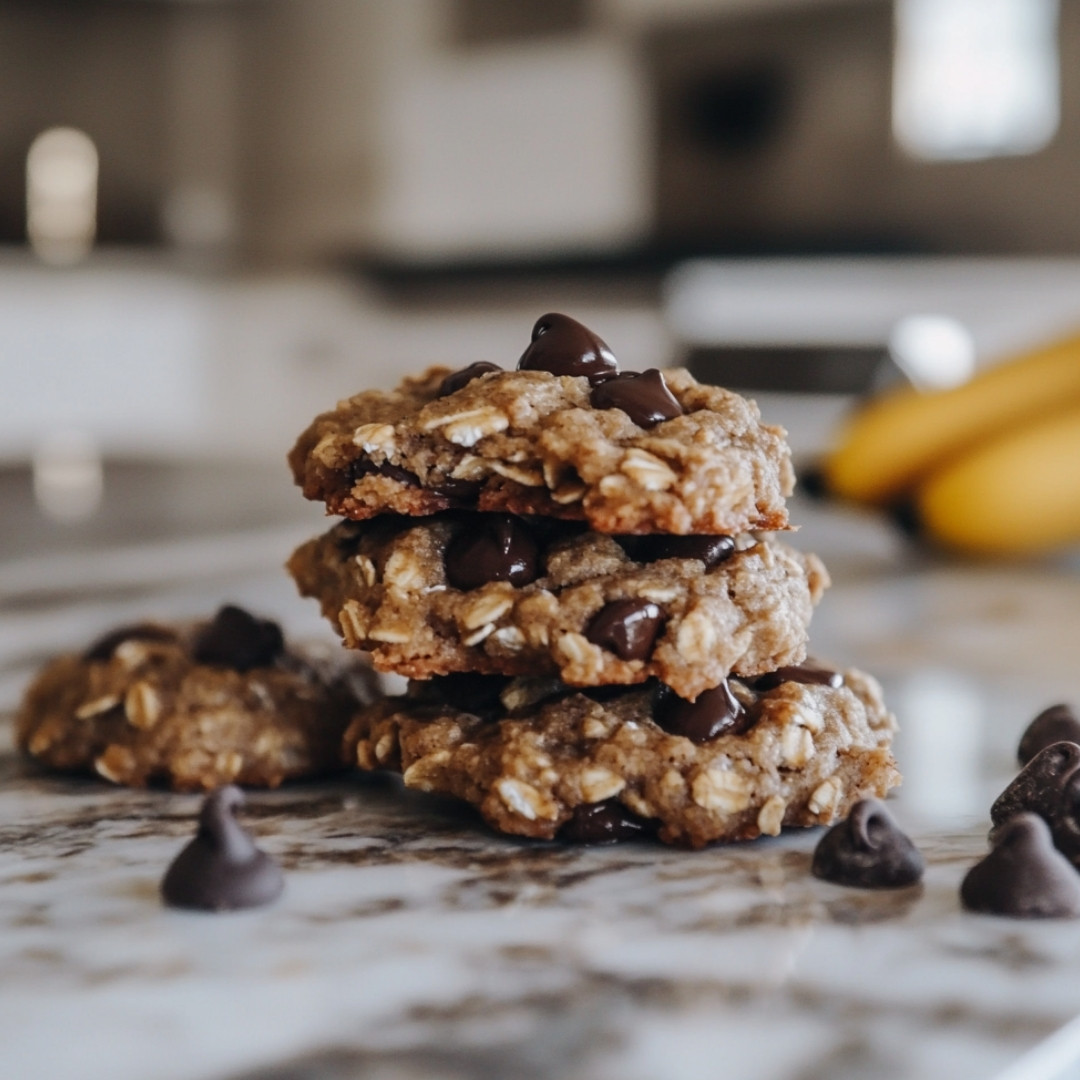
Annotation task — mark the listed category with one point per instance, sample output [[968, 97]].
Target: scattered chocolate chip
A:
[[237, 639], [563, 346], [1023, 876], [711, 550], [366, 467], [107, 644], [714, 713], [606, 822], [868, 851], [809, 674], [460, 490], [644, 397], [221, 869], [1065, 822], [498, 547], [627, 627], [1057, 724], [458, 379], [467, 691], [1039, 786]]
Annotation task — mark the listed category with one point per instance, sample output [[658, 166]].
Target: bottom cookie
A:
[[193, 707], [795, 748]]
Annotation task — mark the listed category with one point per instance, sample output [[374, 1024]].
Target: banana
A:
[[898, 439], [1015, 495]]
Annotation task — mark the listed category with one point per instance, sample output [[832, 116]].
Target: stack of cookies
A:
[[575, 569]]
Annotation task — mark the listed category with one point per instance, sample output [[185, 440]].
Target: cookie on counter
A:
[[538, 759], [195, 706], [565, 435], [498, 593]]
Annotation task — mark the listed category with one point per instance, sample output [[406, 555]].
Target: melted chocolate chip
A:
[[499, 548], [221, 869], [467, 691], [602, 823], [454, 382], [107, 644], [237, 639], [809, 674], [644, 397], [366, 467], [1040, 785], [627, 627], [868, 851], [460, 490], [711, 550], [1023, 876], [714, 713], [1057, 724], [563, 346]]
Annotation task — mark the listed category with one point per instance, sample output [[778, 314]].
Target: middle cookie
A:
[[500, 594]]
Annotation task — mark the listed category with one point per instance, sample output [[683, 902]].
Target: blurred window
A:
[[61, 195], [975, 78]]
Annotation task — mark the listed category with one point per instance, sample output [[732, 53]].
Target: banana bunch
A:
[[992, 467]]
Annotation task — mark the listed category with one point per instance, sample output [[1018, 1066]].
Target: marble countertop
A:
[[413, 943]]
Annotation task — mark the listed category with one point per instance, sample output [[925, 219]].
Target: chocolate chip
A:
[[237, 639], [221, 869], [107, 644], [1023, 876], [460, 490], [1040, 785], [809, 674], [1065, 820], [1057, 724], [711, 550], [868, 851], [644, 397], [606, 822], [627, 627], [455, 381], [499, 547], [563, 346], [714, 713], [467, 691], [362, 467]]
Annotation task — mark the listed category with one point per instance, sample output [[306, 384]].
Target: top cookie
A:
[[564, 436]]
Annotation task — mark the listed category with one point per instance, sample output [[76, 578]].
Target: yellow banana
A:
[[1015, 495], [898, 439]]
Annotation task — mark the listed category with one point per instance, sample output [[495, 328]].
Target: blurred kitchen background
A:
[[219, 216]]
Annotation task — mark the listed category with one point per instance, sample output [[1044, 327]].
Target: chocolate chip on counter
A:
[[458, 379], [366, 467], [221, 869], [1056, 724], [1024, 876], [809, 674], [1040, 784], [1065, 821], [563, 346], [499, 547], [627, 628], [651, 547], [607, 822], [107, 644], [868, 851], [237, 639], [714, 713], [644, 397]]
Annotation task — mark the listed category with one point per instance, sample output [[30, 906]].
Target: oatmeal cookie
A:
[[194, 706], [534, 442], [794, 749], [495, 593]]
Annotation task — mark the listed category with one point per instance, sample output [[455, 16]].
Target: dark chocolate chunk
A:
[[221, 869], [366, 467], [237, 639], [627, 627], [563, 346], [711, 550], [606, 822], [467, 691], [1040, 785], [107, 644], [1024, 876], [498, 547], [868, 851], [1057, 724], [714, 713], [809, 674], [644, 397], [461, 490], [465, 376]]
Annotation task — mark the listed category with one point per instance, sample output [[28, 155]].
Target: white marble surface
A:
[[413, 943]]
